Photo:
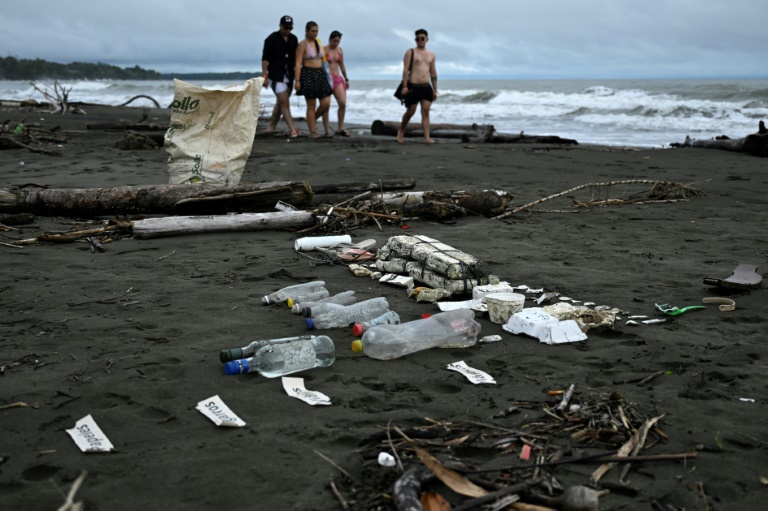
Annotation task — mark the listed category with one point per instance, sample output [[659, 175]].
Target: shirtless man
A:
[[420, 88]]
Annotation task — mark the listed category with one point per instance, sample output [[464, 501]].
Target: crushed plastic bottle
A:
[[451, 329], [283, 294], [388, 318], [345, 316], [279, 359]]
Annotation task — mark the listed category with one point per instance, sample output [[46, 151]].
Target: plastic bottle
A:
[[283, 294], [279, 359], [355, 313], [247, 351], [322, 308], [344, 298], [308, 297], [388, 318], [451, 329]]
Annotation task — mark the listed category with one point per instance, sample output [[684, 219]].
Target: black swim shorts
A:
[[418, 93]]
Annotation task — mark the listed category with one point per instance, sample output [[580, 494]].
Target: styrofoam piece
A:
[[307, 244], [449, 306], [479, 292], [501, 306], [530, 321], [562, 332]]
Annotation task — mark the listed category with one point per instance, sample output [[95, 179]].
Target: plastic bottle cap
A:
[[310, 324], [290, 302], [236, 367], [357, 346], [306, 312], [358, 329], [425, 316], [265, 300]]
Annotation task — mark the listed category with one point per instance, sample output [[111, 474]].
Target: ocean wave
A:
[[480, 97]]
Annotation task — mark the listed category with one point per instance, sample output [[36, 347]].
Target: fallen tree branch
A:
[[679, 188], [144, 97], [755, 144], [9, 140]]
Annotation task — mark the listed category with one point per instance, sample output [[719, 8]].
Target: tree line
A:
[[12, 68]]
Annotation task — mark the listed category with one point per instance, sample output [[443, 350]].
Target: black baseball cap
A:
[[286, 21]]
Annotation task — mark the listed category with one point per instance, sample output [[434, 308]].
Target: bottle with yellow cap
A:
[[450, 329], [283, 294], [343, 298], [349, 314], [307, 297]]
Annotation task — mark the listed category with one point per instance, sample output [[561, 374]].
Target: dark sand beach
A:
[[132, 335]]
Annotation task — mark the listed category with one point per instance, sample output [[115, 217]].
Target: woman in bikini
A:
[[310, 78], [335, 57]]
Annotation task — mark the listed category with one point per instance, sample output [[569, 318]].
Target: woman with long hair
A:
[[335, 57], [311, 81]]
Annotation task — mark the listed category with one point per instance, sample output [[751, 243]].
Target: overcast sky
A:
[[486, 38]]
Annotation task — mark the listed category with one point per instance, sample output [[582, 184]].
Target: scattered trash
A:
[[295, 388], [744, 276], [219, 413], [490, 338], [307, 297], [654, 321], [247, 351], [388, 318], [587, 319], [89, 437], [397, 280], [452, 329], [480, 292], [425, 294], [747, 400], [538, 323], [306, 308], [291, 356], [475, 376]]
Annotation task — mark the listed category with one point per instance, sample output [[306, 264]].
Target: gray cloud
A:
[[556, 39]]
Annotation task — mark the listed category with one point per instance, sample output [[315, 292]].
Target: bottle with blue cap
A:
[[248, 351], [345, 316], [450, 329], [283, 294], [280, 358]]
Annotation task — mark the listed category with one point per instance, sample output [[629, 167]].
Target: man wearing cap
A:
[[278, 59]]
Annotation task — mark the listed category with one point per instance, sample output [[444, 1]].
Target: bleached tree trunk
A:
[[179, 225]]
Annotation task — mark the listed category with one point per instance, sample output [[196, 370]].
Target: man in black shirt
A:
[[278, 60]]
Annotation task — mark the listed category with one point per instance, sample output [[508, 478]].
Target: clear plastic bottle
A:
[[247, 351], [308, 297], [283, 294], [322, 308], [388, 318], [450, 329], [355, 313], [344, 298], [279, 359]]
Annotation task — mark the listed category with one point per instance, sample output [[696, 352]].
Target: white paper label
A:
[[476, 376], [294, 387], [89, 437], [215, 409]]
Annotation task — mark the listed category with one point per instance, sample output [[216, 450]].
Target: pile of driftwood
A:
[[31, 137], [468, 133], [532, 455]]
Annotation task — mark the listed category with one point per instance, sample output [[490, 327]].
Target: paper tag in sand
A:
[[476, 376], [89, 437], [215, 409], [295, 388]]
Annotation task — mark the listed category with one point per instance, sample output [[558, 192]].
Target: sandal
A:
[[342, 133], [295, 133], [744, 276]]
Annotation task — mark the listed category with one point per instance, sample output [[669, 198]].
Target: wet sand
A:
[[132, 335]]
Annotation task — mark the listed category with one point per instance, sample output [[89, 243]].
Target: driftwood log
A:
[[389, 128], [166, 199], [335, 193], [489, 136], [153, 100], [125, 126], [180, 225], [755, 144]]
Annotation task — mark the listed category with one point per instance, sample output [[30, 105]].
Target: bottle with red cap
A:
[[388, 318], [450, 329]]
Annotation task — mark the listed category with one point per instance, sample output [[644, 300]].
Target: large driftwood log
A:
[[389, 128], [489, 136], [755, 144], [177, 226], [167, 199]]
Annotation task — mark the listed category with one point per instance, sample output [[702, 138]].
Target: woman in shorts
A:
[[311, 81]]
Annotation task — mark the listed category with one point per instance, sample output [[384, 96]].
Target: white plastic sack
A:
[[211, 132]]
